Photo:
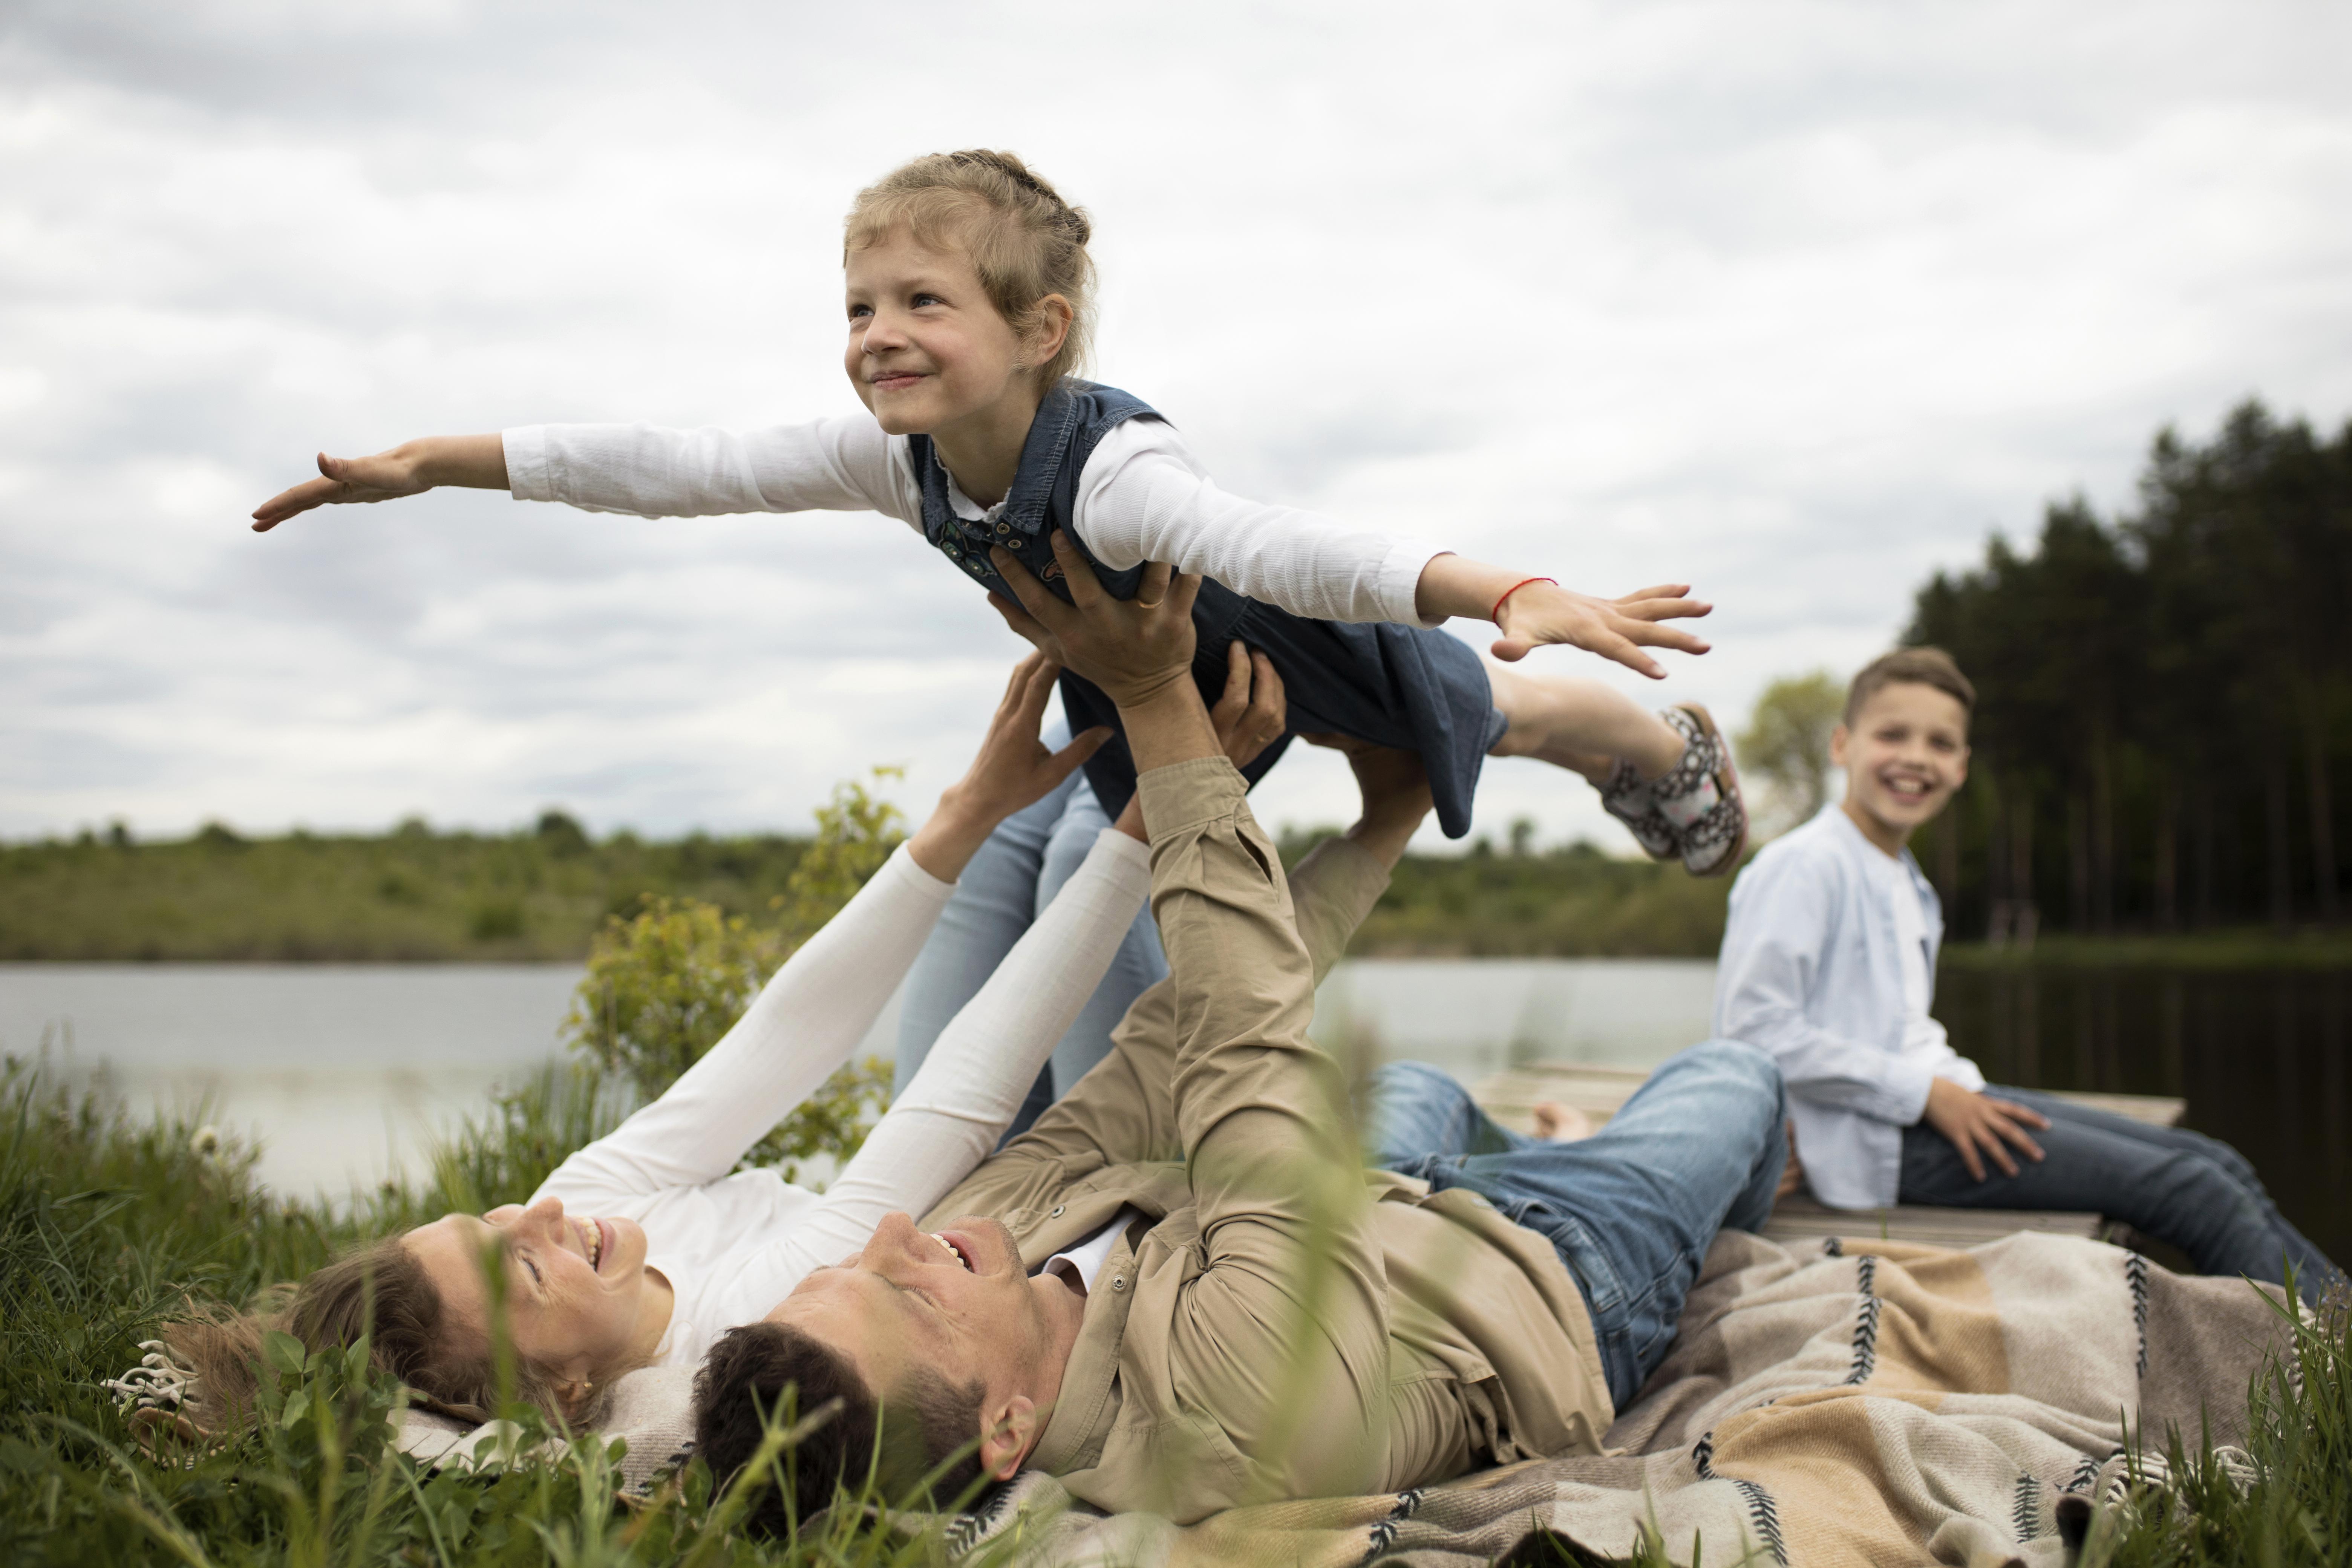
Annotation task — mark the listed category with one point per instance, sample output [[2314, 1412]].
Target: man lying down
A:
[[1181, 1290]]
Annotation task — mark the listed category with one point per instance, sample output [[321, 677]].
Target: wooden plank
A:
[[1510, 1097], [1798, 1221]]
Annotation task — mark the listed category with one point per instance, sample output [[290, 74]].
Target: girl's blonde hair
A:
[[378, 1288], [1024, 239]]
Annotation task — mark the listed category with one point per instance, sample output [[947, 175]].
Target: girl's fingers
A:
[[1662, 591], [1665, 609]]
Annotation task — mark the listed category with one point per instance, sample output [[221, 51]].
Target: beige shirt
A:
[[1280, 1322]]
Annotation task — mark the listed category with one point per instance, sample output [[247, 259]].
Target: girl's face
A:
[[927, 350], [574, 1286]]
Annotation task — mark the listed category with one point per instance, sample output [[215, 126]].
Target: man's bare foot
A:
[[1558, 1123]]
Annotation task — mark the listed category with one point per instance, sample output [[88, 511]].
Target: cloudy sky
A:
[[1796, 300]]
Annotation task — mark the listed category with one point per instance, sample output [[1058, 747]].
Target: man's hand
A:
[[410, 469], [1614, 629], [1395, 787], [1250, 717], [1976, 1122], [1132, 649], [1012, 770]]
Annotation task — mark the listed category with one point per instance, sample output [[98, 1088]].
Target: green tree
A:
[[665, 984], [1786, 746]]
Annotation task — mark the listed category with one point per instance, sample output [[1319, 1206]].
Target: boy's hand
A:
[[1132, 649], [1614, 629], [1973, 1121], [1011, 770], [410, 469]]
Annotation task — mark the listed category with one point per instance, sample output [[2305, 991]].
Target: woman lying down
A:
[[642, 1248]]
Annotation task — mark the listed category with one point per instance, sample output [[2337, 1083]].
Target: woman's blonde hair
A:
[[378, 1288], [1024, 239]]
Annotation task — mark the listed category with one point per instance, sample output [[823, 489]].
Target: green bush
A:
[[665, 984]]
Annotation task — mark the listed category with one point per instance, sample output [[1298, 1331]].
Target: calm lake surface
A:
[[345, 1072]]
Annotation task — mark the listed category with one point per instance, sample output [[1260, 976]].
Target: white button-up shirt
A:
[[1824, 967]]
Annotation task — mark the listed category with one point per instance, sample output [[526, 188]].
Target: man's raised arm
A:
[[1282, 1344]]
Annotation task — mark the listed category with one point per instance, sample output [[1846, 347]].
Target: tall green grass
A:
[[107, 1223]]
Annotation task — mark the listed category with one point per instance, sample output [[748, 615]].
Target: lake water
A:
[[343, 1072]]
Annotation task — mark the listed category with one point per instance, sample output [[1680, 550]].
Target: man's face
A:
[[958, 1301], [1904, 755]]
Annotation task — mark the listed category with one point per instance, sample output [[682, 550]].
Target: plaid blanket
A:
[[1861, 1402]]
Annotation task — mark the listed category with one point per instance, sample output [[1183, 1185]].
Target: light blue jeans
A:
[[1632, 1209], [1000, 895]]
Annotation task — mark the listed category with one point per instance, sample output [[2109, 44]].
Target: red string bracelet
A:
[[1497, 612]]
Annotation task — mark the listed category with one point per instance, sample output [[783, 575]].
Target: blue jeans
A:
[[1632, 1209], [2183, 1188], [1001, 892]]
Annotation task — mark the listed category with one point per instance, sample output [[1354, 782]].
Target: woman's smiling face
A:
[[576, 1287]]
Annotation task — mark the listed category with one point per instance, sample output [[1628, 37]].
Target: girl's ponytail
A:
[[1024, 240]]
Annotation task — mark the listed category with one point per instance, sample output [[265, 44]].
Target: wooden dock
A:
[[1510, 1097]]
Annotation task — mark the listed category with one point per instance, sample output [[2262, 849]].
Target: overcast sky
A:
[[1798, 301]]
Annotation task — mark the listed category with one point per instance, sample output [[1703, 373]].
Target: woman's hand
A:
[[1252, 713], [410, 469], [1011, 770]]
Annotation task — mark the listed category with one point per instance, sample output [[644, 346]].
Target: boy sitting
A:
[[1829, 963]]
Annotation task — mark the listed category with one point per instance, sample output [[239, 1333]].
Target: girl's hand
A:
[[410, 469], [1620, 628]]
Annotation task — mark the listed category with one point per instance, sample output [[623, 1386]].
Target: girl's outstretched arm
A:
[[475, 462], [1532, 611]]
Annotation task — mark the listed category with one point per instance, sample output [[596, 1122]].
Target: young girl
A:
[[970, 296]]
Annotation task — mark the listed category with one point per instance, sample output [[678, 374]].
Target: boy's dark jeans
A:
[[2183, 1188]]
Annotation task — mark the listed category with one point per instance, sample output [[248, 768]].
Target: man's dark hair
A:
[[744, 1383]]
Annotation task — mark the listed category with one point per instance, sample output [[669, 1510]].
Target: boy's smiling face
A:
[[1904, 753], [927, 349]]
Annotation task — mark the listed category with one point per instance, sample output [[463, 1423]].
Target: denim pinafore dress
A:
[[1393, 685]]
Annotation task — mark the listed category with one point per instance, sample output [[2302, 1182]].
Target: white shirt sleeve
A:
[[829, 465], [970, 1087], [1142, 497], [798, 1030]]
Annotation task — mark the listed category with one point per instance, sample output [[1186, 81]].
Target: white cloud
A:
[[1796, 300]]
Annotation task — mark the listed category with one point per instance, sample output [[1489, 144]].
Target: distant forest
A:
[[2164, 709]]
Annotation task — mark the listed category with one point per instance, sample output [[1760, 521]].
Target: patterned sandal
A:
[[1700, 794]]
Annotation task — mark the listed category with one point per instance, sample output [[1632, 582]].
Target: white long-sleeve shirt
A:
[[732, 1245], [1824, 967], [1141, 497]]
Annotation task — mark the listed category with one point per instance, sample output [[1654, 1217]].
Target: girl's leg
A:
[[1578, 724], [1667, 776], [1138, 964]]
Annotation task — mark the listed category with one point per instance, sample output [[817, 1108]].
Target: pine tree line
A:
[[2165, 699]]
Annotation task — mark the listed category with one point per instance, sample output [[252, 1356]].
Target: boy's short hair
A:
[[1918, 666]]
